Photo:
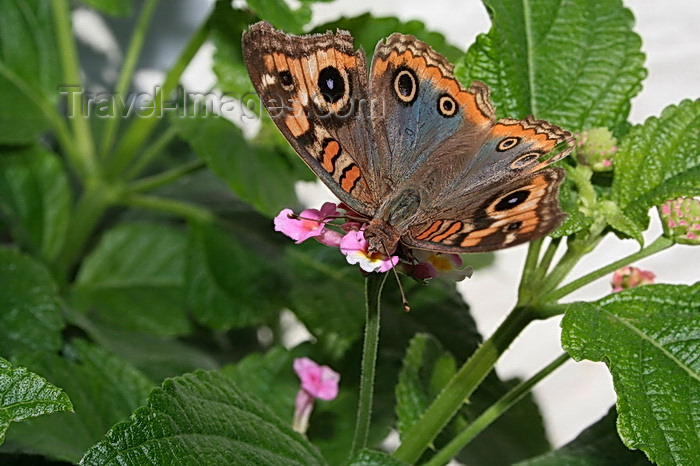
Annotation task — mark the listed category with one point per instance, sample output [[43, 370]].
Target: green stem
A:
[[127, 71], [88, 211], [161, 179], [658, 245], [169, 206], [547, 258], [70, 67], [493, 412], [142, 128], [531, 261], [461, 386], [373, 291], [573, 254], [151, 152]]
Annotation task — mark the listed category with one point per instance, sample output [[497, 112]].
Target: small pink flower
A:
[[316, 382], [356, 250], [309, 224], [629, 277], [433, 265]]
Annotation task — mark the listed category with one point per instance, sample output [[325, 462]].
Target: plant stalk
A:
[[658, 245], [70, 67], [373, 291], [127, 71], [151, 152], [461, 386], [87, 213], [141, 129], [169, 206], [531, 261], [493, 413], [152, 182]]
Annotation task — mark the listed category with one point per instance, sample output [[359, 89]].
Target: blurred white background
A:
[[579, 393]]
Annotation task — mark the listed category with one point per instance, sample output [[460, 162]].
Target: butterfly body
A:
[[420, 156]]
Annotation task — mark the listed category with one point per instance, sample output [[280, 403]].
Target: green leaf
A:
[[281, 15], [36, 199], [657, 161], [575, 220], [426, 369], [227, 25], [103, 389], [576, 65], [112, 7], [24, 394], [333, 313], [202, 418], [29, 69], [598, 445], [619, 221], [260, 176], [373, 458], [157, 357], [438, 309], [367, 30], [30, 310], [648, 337], [135, 279], [229, 284], [271, 377]]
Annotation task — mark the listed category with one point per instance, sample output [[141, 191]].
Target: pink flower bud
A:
[[316, 382], [681, 220], [629, 277]]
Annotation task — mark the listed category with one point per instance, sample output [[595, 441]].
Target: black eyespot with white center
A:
[[513, 226], [512, 200], [507, 143], [286, 80], [331, 84], [526, 159], [446, 106], [406, 85]]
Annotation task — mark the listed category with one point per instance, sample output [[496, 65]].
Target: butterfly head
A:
[[381, 236]]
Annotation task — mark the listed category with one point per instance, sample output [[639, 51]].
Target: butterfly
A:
[[419, 156]]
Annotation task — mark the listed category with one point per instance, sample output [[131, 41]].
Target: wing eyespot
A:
[[526, 159], [286, 80], [331, 84], [446, 106], [507, 143], [513, 226], [511, 200], [405, 85]]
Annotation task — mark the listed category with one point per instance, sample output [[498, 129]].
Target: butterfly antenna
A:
[[404, 301]]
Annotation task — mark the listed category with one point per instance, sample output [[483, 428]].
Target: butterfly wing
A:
[[495, 218], [427, 125], [483, 184], [315, 89], [507, 195]]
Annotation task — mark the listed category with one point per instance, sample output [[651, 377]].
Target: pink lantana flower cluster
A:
[[629, 277], [347, 234]]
